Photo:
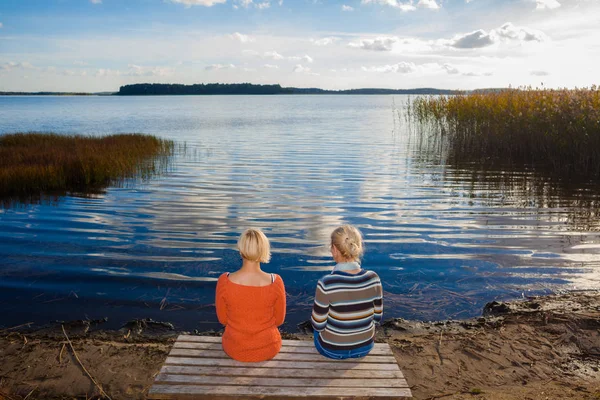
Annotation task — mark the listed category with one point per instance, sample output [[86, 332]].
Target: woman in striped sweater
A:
[[348, 302]]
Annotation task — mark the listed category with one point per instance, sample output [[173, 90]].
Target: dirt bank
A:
[[539, 348]]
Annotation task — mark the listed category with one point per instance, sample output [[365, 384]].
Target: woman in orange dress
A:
[[251, 303]]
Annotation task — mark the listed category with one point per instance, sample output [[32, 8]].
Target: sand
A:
[[537, 348]]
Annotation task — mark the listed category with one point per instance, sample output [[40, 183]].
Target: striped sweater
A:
[[346, 309]]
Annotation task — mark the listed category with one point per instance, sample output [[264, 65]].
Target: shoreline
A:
[[545, 347]]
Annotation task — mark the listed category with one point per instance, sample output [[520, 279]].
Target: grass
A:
[[557, 130], [34, 164]]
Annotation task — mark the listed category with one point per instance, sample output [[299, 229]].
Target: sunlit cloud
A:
[[241, 38], [507, 33], [347, 8], [431, 4], [216, 67], [546, 4], [377, 44], [326, 41]]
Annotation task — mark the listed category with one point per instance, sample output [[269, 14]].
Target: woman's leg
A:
[[325, 352], [361, 351], [344, 354]]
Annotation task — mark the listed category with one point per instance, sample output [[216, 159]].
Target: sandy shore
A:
[[539, 348]]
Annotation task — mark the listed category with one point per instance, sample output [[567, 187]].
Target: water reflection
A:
[[445, 238]]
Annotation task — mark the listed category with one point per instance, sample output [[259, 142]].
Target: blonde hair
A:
[[348, 240], [254, 246]]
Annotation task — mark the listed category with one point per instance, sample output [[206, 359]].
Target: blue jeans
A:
[[341, 354]]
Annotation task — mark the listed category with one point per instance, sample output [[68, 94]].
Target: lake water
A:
[[444, 239]]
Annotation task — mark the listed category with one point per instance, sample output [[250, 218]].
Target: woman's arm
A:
[[220, 303], [280, 302], [320, 309], [378, 303]]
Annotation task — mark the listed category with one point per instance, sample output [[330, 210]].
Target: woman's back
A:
[[347, 306], [251, 315]]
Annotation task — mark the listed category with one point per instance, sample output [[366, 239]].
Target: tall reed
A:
[[557, 130], [32, 164]]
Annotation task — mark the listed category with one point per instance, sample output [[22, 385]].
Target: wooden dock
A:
[[197, 368]]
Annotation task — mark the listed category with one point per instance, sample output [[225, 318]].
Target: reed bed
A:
[[33, 164], [556, 130]]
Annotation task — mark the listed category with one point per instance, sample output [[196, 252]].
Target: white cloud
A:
[[403, 6], [136, 70], [80, 63], [325, 41], [546, 4], [299, 68], [271, 66], [407, 5], [510, 32], [401, 68], [273, 55], [247, 3], [205, 3], [450, 69], [216, 67], [9, 66], [347, 8], [473, 40], [539, 73], [506, 33], [250, 53], [242, 38], [305, 58], [377, 44], [96, 1], [431, 4]]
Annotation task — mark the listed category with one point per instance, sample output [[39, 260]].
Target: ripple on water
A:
[[444, 239]]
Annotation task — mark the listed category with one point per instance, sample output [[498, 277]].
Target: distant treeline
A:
[[154, 89]]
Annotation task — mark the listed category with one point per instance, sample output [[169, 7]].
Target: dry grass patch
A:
[[558, 130], [33, 164]]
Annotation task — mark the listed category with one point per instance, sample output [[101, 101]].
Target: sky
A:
[[100, 45]]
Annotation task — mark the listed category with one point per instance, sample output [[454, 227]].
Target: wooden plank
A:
[[281, 372], [218, 354], [282, 382], [382, 350], [331, 364], [186, 391], [216, 339]]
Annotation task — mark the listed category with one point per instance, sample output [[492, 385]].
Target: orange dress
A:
[[251, 315]]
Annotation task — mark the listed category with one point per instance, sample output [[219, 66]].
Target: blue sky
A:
[[98, 45]]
